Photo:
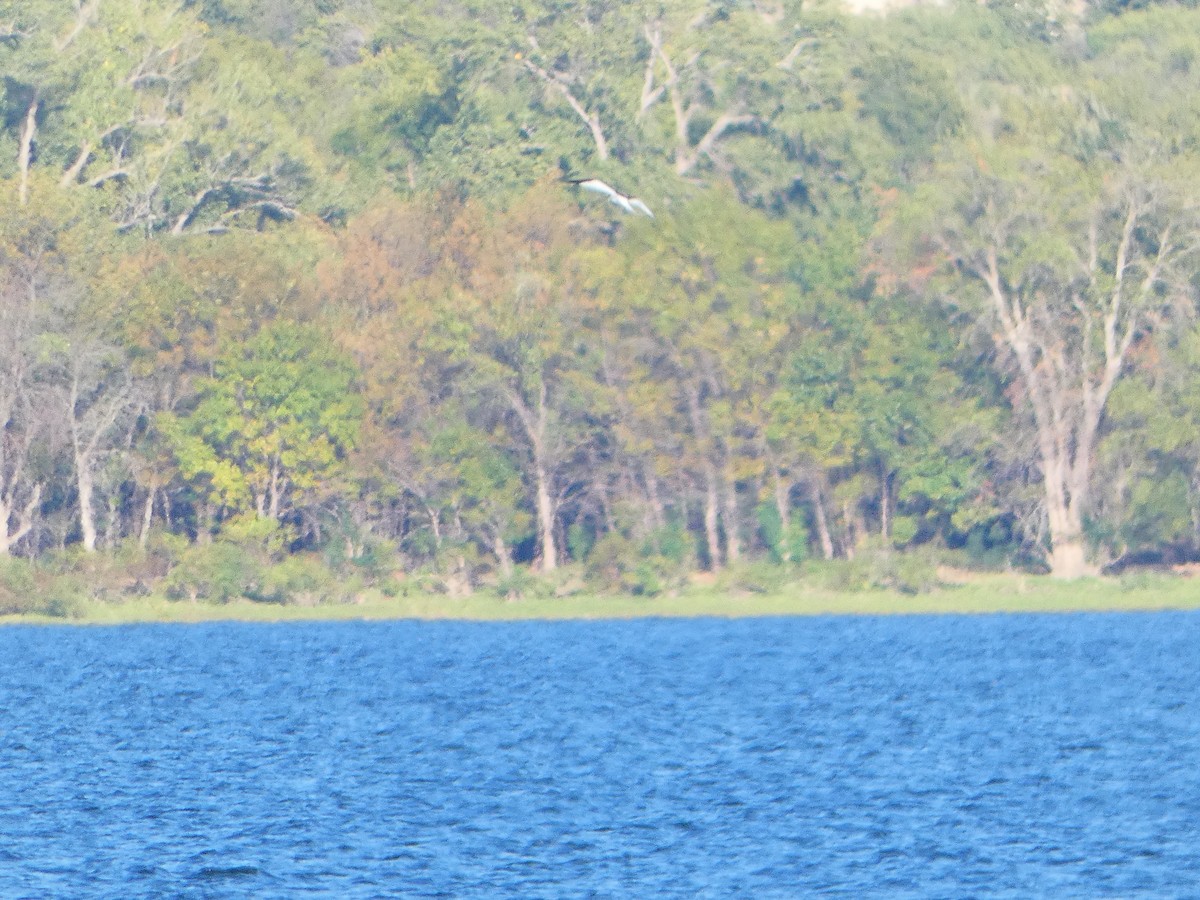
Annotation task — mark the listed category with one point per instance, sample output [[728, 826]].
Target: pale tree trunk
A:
[[712, 499], [25, 150], [885, 512], [89, 423], [435, 523], [1067, 389], [85, 485], [277, 488], [819, 518], [147, 517], [855, 529], [1068, 554], [500, 548], [712, 531], [26, 420], [535, 421], [84, 452], [545, 514], [1048, 400], [733, 540], [16, 439], [10, 534]]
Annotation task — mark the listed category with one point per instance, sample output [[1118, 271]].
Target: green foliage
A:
[[759, 577], [786, 544], [304, 580], [250, 561], [18, 587], [524, 584], [1155, 583], [619, 564], [320, 252], [272, 426], [217, 572], [875, 567]]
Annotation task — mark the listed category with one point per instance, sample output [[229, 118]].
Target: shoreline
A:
[[991, 594]]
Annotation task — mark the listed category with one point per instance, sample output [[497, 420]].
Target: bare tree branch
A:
[[683, 110], [592, 120], [85, 11], [686, 161], [650, 93], [790, 60], [71, 173]]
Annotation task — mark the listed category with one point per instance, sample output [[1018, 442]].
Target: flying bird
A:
[[627, 203]]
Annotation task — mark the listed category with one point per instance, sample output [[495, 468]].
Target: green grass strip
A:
[[982, 594]]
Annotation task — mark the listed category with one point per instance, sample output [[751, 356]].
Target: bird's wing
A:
[[640, 206], [597, 186], [622, 201]]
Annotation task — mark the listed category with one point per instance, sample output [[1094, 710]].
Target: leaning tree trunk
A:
[[821, 521], [147, 516], [10, 534]]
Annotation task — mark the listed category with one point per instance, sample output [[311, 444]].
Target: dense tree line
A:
[[305, 277]]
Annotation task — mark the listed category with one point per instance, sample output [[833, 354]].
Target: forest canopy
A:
[[301, 285]]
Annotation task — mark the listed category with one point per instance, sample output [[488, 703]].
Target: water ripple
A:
[[900, 757]]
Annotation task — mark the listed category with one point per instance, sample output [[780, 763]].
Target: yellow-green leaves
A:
[[271, 427]]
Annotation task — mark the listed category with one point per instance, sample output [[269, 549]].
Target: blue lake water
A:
[[1019, 756]]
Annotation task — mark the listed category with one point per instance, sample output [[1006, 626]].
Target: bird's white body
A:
[[627, 203]]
